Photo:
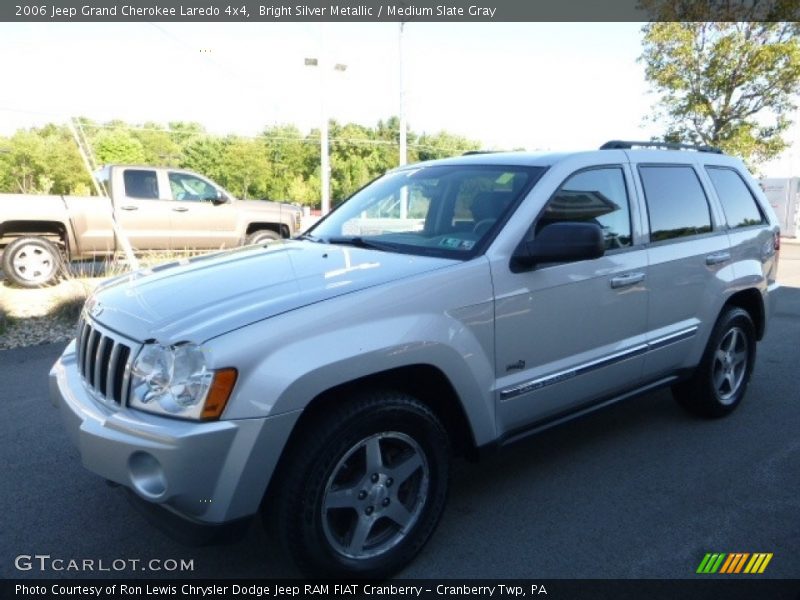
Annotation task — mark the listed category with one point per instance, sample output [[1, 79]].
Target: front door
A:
[[570, 334], [198, 219]]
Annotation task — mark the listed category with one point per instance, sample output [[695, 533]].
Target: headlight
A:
[[176, 381]]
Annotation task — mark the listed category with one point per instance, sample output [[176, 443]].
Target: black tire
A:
[[32, 262], [720, 381], [261, 236], [325, 493]]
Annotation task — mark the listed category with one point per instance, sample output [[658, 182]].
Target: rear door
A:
[[196, 221], [690, 264], [751, 234], [570, 334], [143, 210]]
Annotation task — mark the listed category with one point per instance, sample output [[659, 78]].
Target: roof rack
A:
[[626, 145], [471, 152]]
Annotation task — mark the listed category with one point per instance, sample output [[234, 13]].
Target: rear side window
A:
[[738, 203], [676, 203], [141, 184]]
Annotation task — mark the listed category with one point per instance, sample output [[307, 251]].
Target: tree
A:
[[442, 145], [292, 160], [204, 156], [245, 169], [727, 84], [23, 165], [118, 146], [159, 145]]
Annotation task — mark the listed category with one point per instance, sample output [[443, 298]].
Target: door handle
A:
[[718, 258], [129, 207], [180, 209], [622, 281]]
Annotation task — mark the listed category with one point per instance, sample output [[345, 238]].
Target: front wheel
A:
[[261, 236], [32, 262], [720, 381], [363, 488]]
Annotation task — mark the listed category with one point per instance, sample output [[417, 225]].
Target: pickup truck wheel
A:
[[364, 487], [261, 236], [720, 381], [32, 262]]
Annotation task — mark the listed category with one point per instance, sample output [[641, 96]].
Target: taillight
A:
[[777, 241]]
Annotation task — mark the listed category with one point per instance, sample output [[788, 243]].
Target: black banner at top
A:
[[397, 10]]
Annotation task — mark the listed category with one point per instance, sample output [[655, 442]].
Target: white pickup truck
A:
[[157, 209]]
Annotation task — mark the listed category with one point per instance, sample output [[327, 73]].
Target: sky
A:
[[538, 86]]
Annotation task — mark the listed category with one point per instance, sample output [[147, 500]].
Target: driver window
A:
[[188, 187], [594, 196]]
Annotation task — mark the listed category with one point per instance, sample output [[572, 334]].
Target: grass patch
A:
[[67, 305]]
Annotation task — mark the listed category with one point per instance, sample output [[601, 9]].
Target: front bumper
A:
[[209, 473]]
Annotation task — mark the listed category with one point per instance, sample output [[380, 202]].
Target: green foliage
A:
[[118, 146], [729, 84], [280, 164]]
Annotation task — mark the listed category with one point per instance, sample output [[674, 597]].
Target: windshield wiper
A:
[[360, 242]]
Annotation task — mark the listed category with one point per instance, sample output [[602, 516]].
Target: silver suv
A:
[[448, 308]]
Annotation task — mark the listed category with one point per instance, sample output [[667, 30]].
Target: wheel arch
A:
[[425, 382], [279, 228], [46, 229], [752, 301]]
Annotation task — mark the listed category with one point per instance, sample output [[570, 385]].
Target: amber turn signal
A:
[[218, 394]]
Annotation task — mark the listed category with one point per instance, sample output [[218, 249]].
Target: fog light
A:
[[147, 475]]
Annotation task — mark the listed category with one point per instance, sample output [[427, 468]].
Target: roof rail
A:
[[471, 152], [626, 145]]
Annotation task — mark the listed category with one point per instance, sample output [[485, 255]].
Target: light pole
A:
[[403, 127], [403, 146], [325, 167]]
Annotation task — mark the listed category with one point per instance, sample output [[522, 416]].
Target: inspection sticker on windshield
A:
[[457, 244]]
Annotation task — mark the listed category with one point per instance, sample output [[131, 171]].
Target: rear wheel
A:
[[363, 489], [720, 381], [32, 262]]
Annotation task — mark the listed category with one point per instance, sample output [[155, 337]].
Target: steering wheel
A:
[[483, 226]]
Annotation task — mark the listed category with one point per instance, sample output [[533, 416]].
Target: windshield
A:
[[439, 210]]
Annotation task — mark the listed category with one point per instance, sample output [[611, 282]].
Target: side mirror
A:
[[562, 242], [220, 198]]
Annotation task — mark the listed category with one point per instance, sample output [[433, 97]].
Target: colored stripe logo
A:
[[735, 562]]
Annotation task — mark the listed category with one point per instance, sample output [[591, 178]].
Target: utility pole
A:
[[85, 150]]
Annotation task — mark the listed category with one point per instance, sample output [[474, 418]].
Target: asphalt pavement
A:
[[640, 490]]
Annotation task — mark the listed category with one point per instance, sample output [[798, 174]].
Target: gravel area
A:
[[41, 316], [36, 330]]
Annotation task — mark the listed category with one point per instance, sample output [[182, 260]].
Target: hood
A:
[[200, 298], [268, 206]]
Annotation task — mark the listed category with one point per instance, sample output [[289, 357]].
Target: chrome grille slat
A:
[[126, 379], [112, 369], [88, 359], [84, 341], [104, 362], [98, 362], [79, 339]]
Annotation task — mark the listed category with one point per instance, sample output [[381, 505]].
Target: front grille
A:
[[103, 362]]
